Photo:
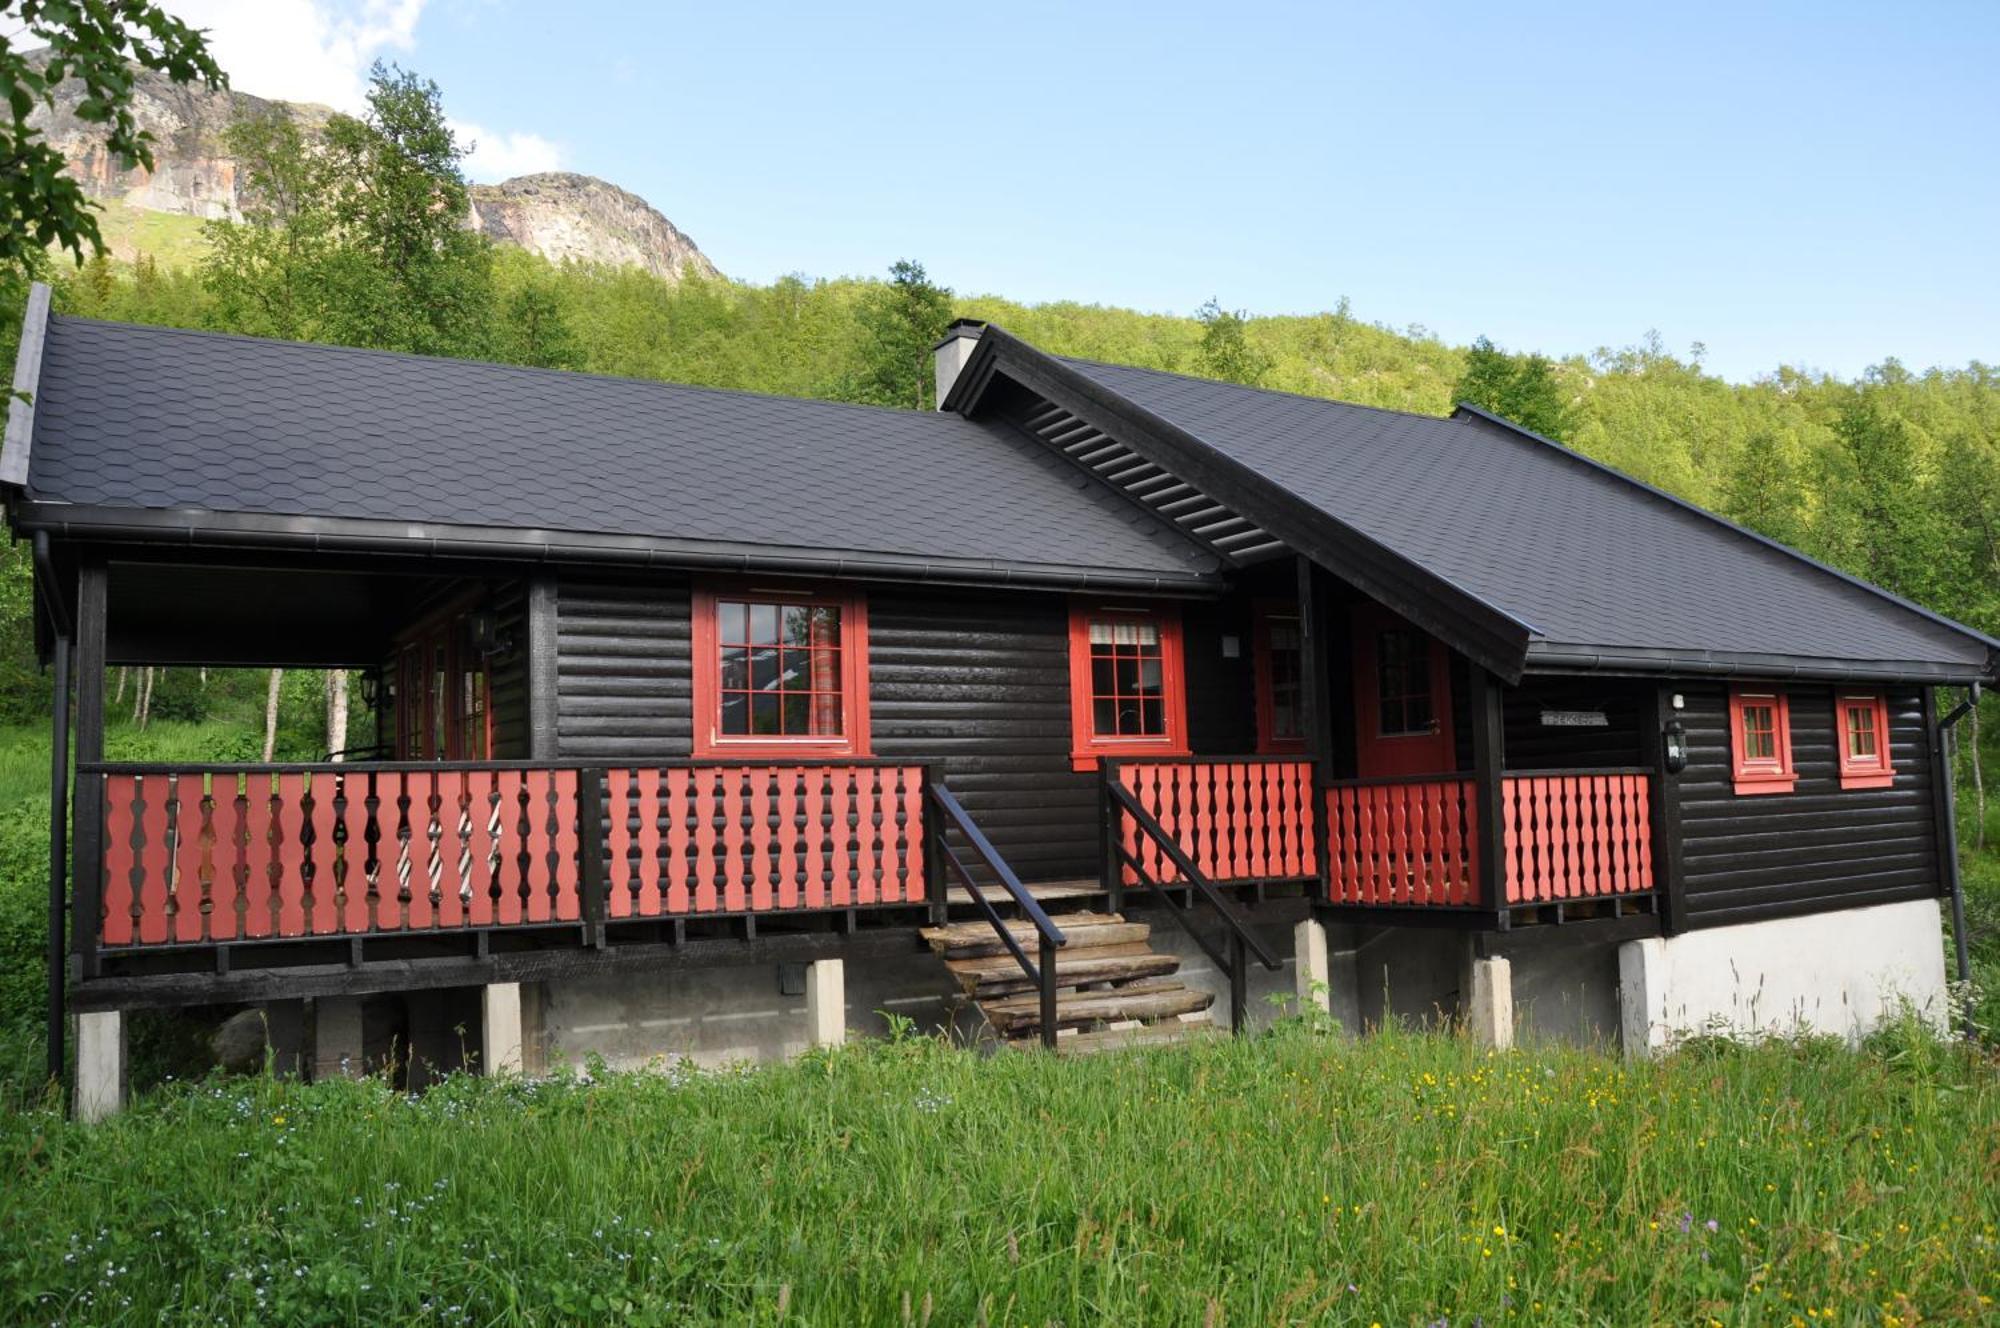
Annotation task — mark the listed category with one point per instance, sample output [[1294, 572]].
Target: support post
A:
[[1239, 983], [87, 808], [1310, 967], [826, 1003], [1316, 701], [501, 1040], [1488, 767], [1489, 1003], [1109, 867], [595, 848], [285, 1034], [337, 1039], [100, 1064], [1046, 966], [542, 742], [58, 952], [1666, 811], [936, 882]]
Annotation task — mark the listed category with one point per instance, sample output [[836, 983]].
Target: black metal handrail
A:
[[1049, 937], [1242, 941]]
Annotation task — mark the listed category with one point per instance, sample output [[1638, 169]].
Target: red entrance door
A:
[[1402, 698]]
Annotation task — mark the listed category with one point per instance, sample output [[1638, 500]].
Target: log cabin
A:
[[713, 724]]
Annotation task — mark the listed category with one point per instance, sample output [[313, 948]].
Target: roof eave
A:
[[19, 440], [1546, 657], [202, 529]]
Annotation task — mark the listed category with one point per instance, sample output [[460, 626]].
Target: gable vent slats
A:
[[1199, 516]]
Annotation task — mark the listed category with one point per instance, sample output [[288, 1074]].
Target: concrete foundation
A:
[[1311, 974], [826, 1003], [1489, 1003], [501, 1030], [100, 1064], [338, 1042], [1840, 973]]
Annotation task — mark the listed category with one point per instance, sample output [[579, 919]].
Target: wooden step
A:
[[999, 975], [1043, 893], [973, 940], [1145, 1000], [1167, 1033]]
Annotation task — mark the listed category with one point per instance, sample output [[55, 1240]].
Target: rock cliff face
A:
[[558, 215], [563, 216]]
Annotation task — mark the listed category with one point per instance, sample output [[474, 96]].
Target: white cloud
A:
[[499, 156], [321, 50], [304, 50]]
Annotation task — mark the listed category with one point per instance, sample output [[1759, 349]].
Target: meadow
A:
[[1296, 1177]]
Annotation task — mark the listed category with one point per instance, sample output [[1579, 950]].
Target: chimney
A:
[[952, 353]]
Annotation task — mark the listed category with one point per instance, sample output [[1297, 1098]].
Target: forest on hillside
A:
[[1894, 476]]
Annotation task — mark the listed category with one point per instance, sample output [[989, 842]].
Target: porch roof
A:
[[1592, 569], [162, 434]]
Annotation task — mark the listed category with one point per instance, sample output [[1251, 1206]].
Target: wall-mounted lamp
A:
[[1677, 746], [487, 638], [371, 689]]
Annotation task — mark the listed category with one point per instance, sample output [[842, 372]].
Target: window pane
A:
[[797, 712], [825, 673], [795, 671], [797, 624], [763, 713], [763, 624], [735, 668], [1104, 716], [826, 625], [1127, 676], [1100, 677], [730, 623], [735, 712], [763, 670], [826, 717], [1150, 676], [1153, 718]]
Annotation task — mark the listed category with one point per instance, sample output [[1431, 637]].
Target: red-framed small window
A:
[[1127, 688], [1279, 663], [1861, 723], [1760, 741], [780, 674]]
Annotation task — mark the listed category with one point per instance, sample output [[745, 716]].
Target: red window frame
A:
[[1269, 741], [1866, 770], [1087, 746], [1755, 771], [709, 739], [444, 692]]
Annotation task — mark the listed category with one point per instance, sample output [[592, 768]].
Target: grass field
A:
[[1293, 1178]]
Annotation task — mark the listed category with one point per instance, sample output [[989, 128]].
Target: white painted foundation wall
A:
[[1839, 973]]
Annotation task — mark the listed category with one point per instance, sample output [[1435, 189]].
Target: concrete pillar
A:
[[500, 1024], [100, 1064], [1642, 996], [1489, 1002], [337, 1049], [285, 1033], [826, 1003], [1310, 967]]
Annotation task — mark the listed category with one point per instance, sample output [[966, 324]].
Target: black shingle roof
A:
[[130, 417], [1591, 562]]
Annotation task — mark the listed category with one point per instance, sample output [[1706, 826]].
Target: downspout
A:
[[1952, 875], [58, 801]]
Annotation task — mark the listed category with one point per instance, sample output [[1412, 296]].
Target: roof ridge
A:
[[569, 375], [1267, 391]]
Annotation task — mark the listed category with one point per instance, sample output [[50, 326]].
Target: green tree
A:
[[1523, 389], [898, 324], [1226, 352], [1763, 491], [359, 237], [98, 43]]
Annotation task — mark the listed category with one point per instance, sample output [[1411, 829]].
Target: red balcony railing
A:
[[213, 854], [1402, 842], [1243, 819], [1577, 835]]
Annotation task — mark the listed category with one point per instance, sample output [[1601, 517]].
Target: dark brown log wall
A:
[[1819, 847]]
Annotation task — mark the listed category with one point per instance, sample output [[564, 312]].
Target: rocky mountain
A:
[[557, 215]]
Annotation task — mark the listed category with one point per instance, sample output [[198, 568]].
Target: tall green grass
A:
[[1295, 1178]]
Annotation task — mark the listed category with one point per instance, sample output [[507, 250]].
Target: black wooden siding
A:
[[1533, 745], [1818, 847], [507, 677], [623, 681]]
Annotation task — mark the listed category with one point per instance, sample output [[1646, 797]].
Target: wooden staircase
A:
[[1113, 988]]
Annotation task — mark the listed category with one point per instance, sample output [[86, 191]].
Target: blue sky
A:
[[1810, 184]]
